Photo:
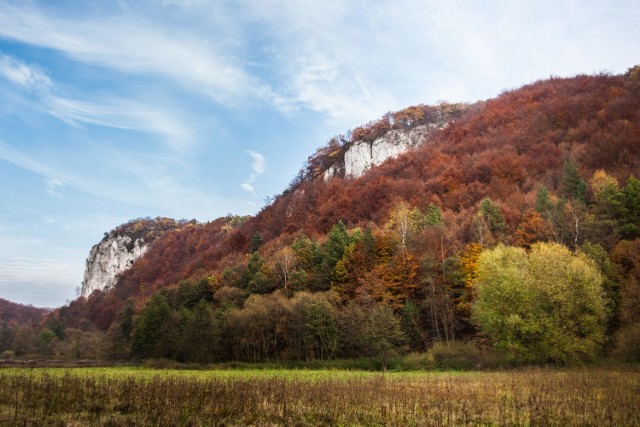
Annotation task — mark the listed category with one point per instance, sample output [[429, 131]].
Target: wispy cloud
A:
[[134, 45], [149, 184], [123, 114], [258, 167], [29, 77], [114, 113], [18, 158], [54, 187]]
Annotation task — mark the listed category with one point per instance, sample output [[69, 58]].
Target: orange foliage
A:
[[502, 148]]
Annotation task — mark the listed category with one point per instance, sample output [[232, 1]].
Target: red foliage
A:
[[502, 148], [11, 312]]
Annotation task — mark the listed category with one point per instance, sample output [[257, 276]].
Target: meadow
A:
[[136, 396]]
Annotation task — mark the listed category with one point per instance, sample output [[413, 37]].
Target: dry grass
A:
[[530, 397]]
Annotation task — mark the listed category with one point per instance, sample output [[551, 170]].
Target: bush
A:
[[418, 361], [628, 348], [465, 356]]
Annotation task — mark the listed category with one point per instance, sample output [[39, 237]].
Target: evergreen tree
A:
[[152, 335], [434, 216], [630, 227], [573, 186]]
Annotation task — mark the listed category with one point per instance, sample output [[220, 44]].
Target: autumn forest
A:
[[512, 236]]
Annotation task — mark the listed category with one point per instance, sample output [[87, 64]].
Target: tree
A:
[[256, 278], [433, 216], [284, 264], [532, 229], [256, 242], [573, 186], [317, 326], [488, 222], [545, 306], [542, 200], [406, 222], [630, 227], [153, 335], [200, 338], [385, 338], [333, 250]]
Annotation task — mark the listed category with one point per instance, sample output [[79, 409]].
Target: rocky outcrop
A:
[[359, 156], [119, 249], [109, 258], [362, 155]]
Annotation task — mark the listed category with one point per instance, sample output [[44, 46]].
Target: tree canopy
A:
[[543, 306]]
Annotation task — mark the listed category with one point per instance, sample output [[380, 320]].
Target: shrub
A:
[[465, 356], [628, 348]]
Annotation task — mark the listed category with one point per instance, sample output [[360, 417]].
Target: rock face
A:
[[361, 156], [120, 248], [112, 256]]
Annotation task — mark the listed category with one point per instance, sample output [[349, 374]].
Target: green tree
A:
[[256, 242], [543, 204], [573, 186], [610, 284], [412, 327], [434, 216], [319, 333], [545, 306], [56, 325], [352, 323], [256, 278], [333, 250], [630, 227], [154, 333], [385, 338], [200, 338], [489, 222]]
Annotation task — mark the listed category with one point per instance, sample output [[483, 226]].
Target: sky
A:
[[119, 109]]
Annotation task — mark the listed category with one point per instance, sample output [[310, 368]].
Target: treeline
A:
[[381, 291]]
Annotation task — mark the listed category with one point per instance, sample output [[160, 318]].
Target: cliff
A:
[[389, 137], [119, 249]]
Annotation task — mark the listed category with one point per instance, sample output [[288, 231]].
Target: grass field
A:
[[135, 396]]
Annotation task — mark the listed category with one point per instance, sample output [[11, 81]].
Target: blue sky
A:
[[117, 109]]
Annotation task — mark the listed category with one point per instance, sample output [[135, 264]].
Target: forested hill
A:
[[553, 161], [504, 148], [11, 312]]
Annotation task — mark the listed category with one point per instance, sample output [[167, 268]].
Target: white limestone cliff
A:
[[120, 248], [112, 256], [361, 156]]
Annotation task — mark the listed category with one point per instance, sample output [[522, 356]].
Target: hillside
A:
[[11, 312], [334, 254], [504, 148]]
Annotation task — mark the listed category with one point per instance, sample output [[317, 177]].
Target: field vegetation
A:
[[135, 396]]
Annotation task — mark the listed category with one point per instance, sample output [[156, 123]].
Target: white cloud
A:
[[29, 77], [114, 113], [124, 114], [54, 187], [136, 45], [258, 167]]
